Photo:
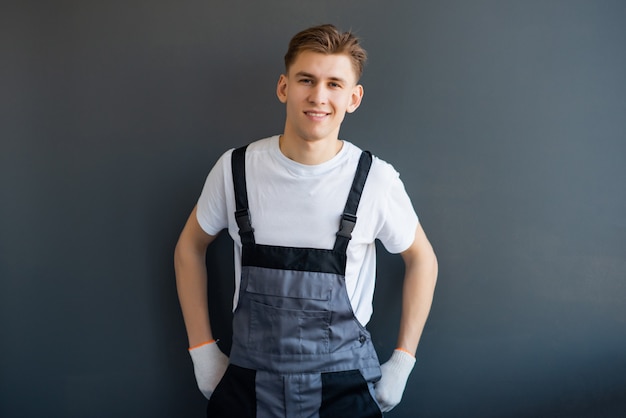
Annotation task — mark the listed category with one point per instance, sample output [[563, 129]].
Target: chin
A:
[[318, 136]]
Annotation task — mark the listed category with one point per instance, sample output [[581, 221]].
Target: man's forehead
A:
[[316, 64]]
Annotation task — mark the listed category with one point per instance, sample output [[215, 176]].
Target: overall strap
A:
[[348, 219], [242, 214]]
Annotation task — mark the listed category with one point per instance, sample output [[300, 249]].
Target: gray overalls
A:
[[298, 350]]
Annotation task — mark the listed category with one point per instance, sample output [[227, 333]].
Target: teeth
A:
[[319, 115]]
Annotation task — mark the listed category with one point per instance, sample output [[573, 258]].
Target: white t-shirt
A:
[[296, 205]]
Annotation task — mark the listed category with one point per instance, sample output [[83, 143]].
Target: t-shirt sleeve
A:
[[212, 210], [400, 220]]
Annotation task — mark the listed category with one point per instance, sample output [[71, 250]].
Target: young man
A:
[[304, 209]]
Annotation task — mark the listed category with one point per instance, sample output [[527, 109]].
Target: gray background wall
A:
[[506, 120]]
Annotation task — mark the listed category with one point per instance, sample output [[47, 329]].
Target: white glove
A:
[[395, 373], [209, 366]]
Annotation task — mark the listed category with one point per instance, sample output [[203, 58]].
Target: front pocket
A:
[[347, 394], [288, 331], [235, 395]]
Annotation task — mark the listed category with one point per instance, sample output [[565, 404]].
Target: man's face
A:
[[318, 90]]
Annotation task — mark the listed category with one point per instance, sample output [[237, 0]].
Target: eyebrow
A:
[[309, 75]]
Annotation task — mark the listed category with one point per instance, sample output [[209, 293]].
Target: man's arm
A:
[[419, 286], [209, 363], [191, 280]]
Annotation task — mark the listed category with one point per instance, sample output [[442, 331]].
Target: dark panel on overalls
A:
[[298, 349]]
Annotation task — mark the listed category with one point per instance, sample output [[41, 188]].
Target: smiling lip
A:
[[316, 114]]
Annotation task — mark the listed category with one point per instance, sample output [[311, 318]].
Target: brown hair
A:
[[326, 39]]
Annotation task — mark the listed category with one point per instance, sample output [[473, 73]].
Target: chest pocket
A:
[[290, 311]]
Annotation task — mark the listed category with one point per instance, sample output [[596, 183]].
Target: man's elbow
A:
[[433, 267], [179, 254]]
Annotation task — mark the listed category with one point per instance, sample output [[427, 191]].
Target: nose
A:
[[318, 94]]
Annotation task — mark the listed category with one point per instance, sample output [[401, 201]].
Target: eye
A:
[[334, 85], [306, 81]]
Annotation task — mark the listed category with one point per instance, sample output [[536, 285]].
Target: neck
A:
[[309, 152]]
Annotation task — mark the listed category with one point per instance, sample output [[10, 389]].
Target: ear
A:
[[355, 98], [281, 88]]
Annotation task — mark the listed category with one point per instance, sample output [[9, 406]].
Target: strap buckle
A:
[[242, 216], [347, 225]]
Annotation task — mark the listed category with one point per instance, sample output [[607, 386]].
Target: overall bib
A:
[[298, 350]]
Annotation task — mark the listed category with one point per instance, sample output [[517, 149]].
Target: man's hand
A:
[[209, 366], [395, 373]]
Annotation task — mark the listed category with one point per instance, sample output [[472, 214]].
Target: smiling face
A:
[[318, 90]]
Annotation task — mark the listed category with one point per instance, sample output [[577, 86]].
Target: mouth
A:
[[316, 115]]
